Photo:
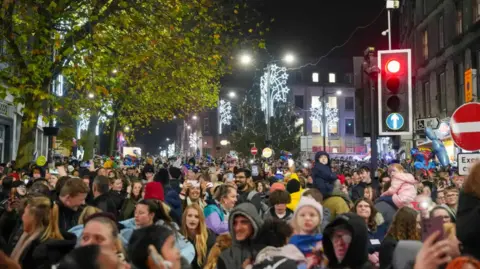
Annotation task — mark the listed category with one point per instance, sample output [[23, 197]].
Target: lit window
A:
[[316, 126], [315, 77], [331, 78], [425, 45]]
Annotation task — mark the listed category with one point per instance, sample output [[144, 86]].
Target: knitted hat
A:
[[277, 186], [154, 190], [308, 201]]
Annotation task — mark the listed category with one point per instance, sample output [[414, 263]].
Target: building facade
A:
[[444, 37]]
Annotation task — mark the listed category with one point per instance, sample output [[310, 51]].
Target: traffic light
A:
[[395, 92]]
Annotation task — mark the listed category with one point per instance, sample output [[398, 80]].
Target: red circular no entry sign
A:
[[465, 126], [254, 151]]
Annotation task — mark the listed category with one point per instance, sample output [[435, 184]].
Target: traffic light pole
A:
[[373, 128]]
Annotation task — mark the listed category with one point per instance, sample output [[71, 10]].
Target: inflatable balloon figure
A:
[[438, 148], [285, 155], [422, 159]]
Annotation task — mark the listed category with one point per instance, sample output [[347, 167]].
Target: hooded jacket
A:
[[322, 175], [234, 256], [402, 189], [468, 214], [357, 253]]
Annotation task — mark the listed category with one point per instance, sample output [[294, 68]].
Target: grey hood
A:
[[234, 256], [249, 211], [405, 253]]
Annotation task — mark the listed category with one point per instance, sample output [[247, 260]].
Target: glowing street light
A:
[[194, 117], [289, 58], [168, 139], [188, 127], [127, 129], [114, 71], [232, 94], [339, 92], [91, 95], [245, 59]]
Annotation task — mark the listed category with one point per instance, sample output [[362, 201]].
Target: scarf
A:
[[200, 202], [24, 241]]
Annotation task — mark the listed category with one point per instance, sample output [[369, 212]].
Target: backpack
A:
[[263, 206]]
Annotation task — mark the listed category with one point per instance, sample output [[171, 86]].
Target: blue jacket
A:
[[172, 199], [186, 248], [323, 178]]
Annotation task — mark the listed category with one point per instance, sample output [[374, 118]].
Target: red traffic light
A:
[[393, 66]]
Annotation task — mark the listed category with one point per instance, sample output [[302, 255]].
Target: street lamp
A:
[[188, 127], [91, 95], [127, 129], [114, 71], [168, 139], [339, 92], [245, 59], [232, 94], [194, 117], [289, 58]]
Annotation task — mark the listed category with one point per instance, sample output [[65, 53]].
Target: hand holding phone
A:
[[432, 225], [156, 261]]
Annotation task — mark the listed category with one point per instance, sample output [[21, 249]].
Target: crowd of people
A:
[[230, 214]]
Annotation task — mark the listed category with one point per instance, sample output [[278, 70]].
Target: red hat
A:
[[341, 178], [154, 190], [16, 176]]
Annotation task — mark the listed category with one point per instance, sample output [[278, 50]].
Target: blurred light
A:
[[245, 59], [168, 139], [114, 71], [126, 128], [315, 77], [339, 92], [232, 94], [174, 117], [91, 95], [194, 117], [224, 142], [205, 143], [289, 58], [252, 161], [188, 127]]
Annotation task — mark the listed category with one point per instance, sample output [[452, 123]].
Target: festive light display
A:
[[331, 114], [163, 153], [171, 150], [225, 114], [193, 140], [273, 88]]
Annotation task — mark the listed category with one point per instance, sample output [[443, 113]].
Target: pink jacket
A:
[[402, 190]]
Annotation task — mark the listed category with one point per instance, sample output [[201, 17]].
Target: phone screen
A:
[[431, 225]]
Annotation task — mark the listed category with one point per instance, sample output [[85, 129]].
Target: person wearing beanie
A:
[[293, 187], [307, 221], [154, 190], [323, 177]]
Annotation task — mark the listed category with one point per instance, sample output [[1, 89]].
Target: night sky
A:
[[308, 29]]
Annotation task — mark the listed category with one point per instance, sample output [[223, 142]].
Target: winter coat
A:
[[387, 248], [216, 218], [186, 248], [118, 198], [402, 189], [42, 255], [106, 203], [128, 209], [270, 214], [234, 256], [172, 199], [67, 217], [323, 178], [357, 253], [468, 215], [294, 199], [375, 237], [256, 200], [337, 203]]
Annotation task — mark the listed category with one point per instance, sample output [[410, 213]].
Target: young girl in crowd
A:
[[402, 190], [307, 220]]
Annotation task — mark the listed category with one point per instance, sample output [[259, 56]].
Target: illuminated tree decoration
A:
[[273, 88], [331, 114], [171, 149], [82, 124], [163, 153], [225, 114], [193, 140]]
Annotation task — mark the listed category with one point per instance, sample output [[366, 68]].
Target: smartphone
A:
[[230, 177], [431, 225], [255, 170], [290, 163]]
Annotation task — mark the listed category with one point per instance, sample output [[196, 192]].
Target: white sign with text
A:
[[465, 161]]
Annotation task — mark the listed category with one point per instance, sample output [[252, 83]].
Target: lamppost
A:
[[325, 114], [273, 86]]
